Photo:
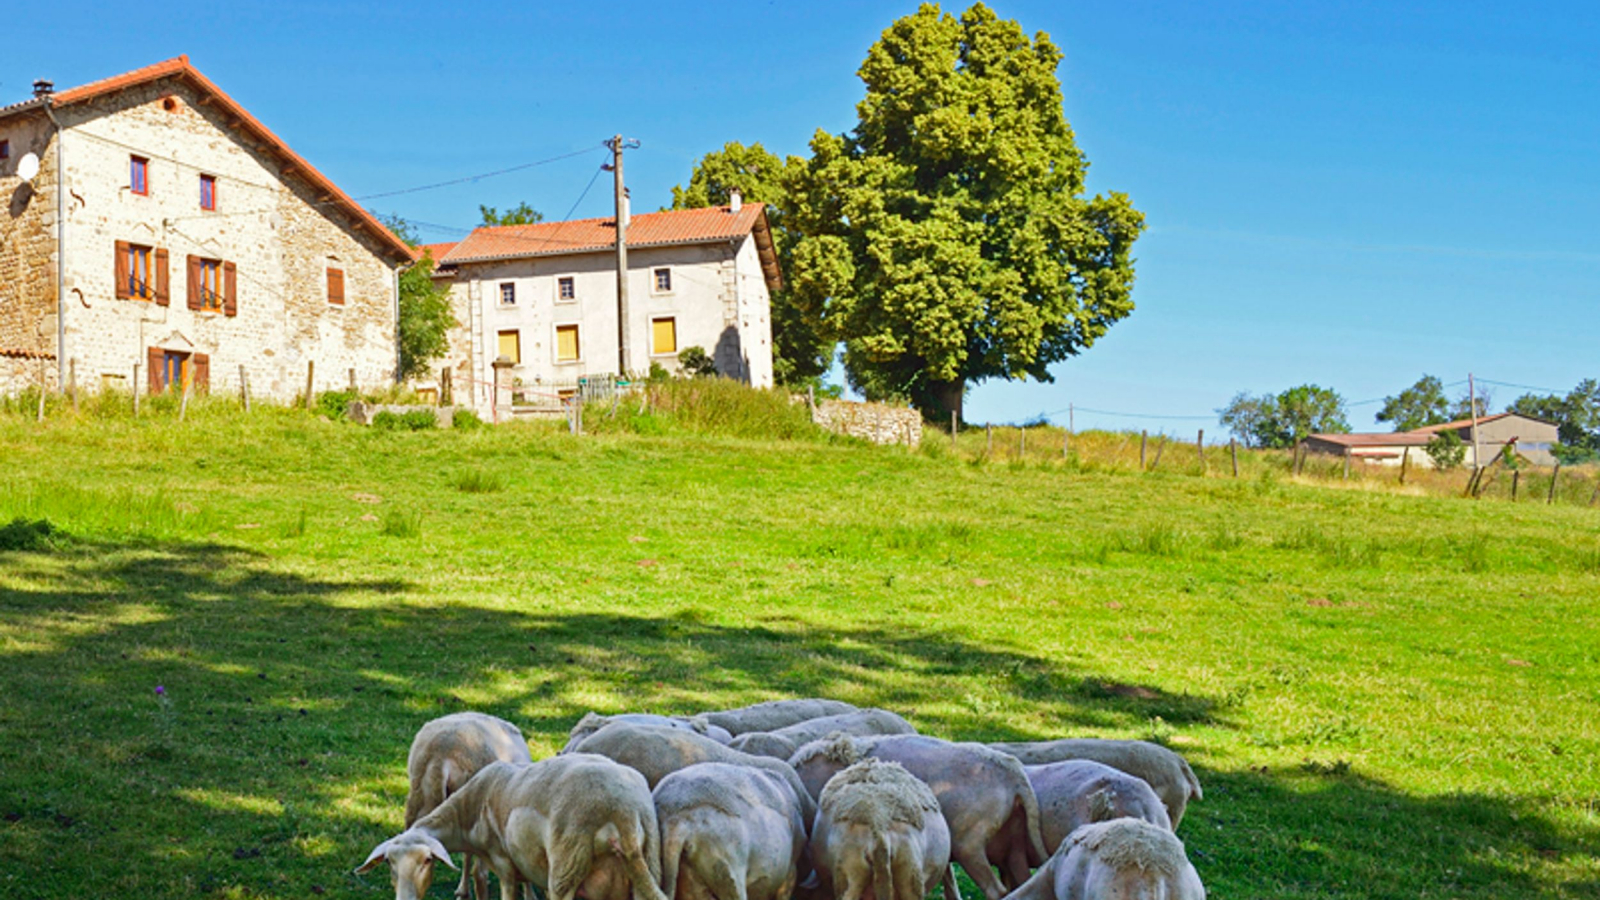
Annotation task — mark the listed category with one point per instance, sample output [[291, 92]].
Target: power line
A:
[[466, 178]]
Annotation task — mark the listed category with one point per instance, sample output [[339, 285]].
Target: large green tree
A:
[[1577, 415], [947, 238], [1418, 406], [800, 352]]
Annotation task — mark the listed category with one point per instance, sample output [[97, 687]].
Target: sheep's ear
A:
[[439, 853], [379, 854]]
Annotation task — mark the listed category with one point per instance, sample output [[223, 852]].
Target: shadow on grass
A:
[[274, 756]]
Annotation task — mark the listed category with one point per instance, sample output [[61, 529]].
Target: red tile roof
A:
[[1461, 423], [679, 226], [437, 251], [180, 68], [1374, 439]]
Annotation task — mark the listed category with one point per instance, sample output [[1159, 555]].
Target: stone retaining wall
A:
[[875, 422]]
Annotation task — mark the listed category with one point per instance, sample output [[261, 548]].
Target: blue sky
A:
[[1345, 194]]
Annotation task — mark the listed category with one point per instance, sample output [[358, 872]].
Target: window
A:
[[141, 275], [566, 343], [663, 281], [511, 346], [664, 336], [5, 149], [209, 284], [508, 293], [565, 289], [208, 192], [139, 174], [336, 286]]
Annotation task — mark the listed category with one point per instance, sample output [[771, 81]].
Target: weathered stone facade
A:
[[275, 229]]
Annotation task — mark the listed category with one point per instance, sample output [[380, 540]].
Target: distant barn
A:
[[1533, 437]]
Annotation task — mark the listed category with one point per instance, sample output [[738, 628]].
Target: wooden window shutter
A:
[[156, 358], [202, 373], [336, 286], [163, 281], [230, 289], [122, 270], [193, 281]]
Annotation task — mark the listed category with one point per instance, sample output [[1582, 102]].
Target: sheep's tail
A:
[[1188, 775], [1030, 810], [626, 845], [882, 877], [673, 846]]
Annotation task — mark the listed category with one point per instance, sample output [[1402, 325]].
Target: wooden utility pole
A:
[[1472, 411], [618, 144], [1071, 425]]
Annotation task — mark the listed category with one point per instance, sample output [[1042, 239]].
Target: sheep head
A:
[[411, 857]]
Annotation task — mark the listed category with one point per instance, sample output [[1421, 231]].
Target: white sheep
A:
[[1123, 859], [1165, 771], [774, 714], [729, 832], [592, 722], [984, 795], [782, 743], [1076, 792], [879, 831], [570, 824], [444, 756]]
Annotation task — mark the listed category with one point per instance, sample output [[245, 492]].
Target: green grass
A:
[[1385, 695]]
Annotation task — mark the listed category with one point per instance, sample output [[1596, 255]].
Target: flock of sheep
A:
[[814, 799]]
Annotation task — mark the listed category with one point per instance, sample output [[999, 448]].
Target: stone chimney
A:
[[735, 200], [43, 88]]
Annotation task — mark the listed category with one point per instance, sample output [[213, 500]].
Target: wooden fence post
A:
[[955, 428], [1405, 463], [42, 376], [1233, 451], [244, 387], [1160, 446], [136, 390], [1516, 479], [988, 434], [1347, 464], [1299, 457], [1144, 437], [352, 379], [1551, 497], [311, 371], [447, 395], [1200, 449], [72, 381]]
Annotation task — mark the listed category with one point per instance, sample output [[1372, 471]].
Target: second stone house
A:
[[544, 297], [157, 231]]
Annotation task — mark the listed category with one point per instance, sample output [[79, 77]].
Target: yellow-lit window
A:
[[566, 343], [511, 346], [663, 336]]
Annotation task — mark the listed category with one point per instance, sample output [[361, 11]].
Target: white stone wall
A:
[[280, 236], [718, 300]]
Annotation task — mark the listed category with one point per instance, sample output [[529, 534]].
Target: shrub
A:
[[696, 362], [386, 421], [334, 404], [1446, 450], [465, 419], [420, 419]]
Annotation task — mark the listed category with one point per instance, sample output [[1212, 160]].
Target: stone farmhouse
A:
[[168, 233], [544, 296], [1533, 438]]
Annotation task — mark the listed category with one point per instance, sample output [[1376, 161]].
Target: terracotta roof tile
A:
[[437, 251], [179, 67], [680, 226]]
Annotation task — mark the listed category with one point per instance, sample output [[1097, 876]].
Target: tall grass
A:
[[718, 406]]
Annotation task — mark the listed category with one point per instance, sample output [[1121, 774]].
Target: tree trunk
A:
[[944, 398]]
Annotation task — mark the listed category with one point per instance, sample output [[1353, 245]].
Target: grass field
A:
[[1384, 695]]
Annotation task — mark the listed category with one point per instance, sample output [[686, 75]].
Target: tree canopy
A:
[[521, 214], [1418, 406], [946, 239], [1577, 415], [1284, 419]]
